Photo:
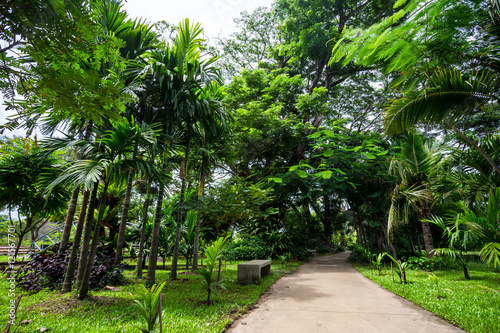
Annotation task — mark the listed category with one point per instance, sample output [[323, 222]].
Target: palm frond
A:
[[490, 253], [448, 96]]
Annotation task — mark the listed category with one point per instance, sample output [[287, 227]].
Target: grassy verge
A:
[[473, 305], [112, 311]]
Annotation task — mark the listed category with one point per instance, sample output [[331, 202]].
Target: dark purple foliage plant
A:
[[47, 269]]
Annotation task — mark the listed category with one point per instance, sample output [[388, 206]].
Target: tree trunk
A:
[[198, 222], [63, 246], [388, 239], [428, 241], [153, 252], [87, 233], [218, 272], [327, 221], [175, 256], [140, 257], [70, 270], [126, 207], [475, 146], [84, 289], [19, 242], [464, 266]]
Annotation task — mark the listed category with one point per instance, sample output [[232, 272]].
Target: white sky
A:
[[216, 17]]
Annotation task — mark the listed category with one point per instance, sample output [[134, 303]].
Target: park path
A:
[[329, 295]]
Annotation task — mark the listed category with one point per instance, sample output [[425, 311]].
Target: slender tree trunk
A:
[[475, 146], [388, 239], [464, 266], [219, 270], [327, 221], [153, 252], [63, 246], [140, 257], [70, 270], [84, 289], [183, 172], [198, 222], [419, 245], [19, 242], [428, 241], [308, 218], [87, 233], [126, 207]]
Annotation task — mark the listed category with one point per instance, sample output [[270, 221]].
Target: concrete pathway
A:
[[329, 295]]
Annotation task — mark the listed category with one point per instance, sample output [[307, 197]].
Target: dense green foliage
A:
[[318, 125]]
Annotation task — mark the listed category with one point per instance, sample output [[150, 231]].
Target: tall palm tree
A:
[[179, 74], [110, 154], [414, 167], [209, 153], [138, 38]]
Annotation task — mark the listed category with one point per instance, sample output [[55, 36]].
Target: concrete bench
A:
[[252, 271]]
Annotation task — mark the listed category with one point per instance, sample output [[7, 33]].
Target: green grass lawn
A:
[[473, 305], [112, 311]]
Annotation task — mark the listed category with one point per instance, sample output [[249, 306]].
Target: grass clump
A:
[[474, 304]]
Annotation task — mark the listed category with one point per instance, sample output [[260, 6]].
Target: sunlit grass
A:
[[473, 305], [112, 311]]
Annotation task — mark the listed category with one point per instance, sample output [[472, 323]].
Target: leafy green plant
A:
[[212, 254], [402, 268], [377, 263], [435, 279], [148, 305], [248, 248], [359, 254], [284, 258], [431, 264]]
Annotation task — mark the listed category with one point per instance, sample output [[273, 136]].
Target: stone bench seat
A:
[[252, 271]]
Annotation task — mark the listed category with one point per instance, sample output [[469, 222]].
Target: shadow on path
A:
[[328, 295]]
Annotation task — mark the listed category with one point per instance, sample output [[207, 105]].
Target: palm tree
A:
[[188, 235], [414, 167], [71, 268], [448, 97], [472, 229], [145, 136], [138, 38], [180, 76], [209, 152], [110, 154], [468, 168]]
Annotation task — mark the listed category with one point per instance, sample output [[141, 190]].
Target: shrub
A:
[[248, 249], [47, 270], [431, 264], [360, 254]]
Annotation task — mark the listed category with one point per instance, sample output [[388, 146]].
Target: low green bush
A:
[[247, 249], [431, 264], [359, 254]]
